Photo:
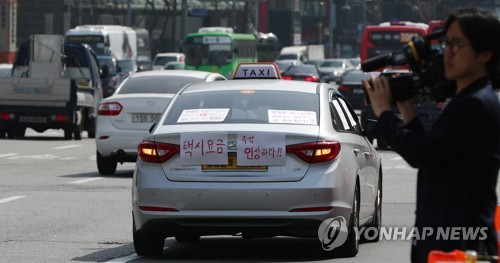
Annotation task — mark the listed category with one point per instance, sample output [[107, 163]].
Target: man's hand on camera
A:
[[379, 94], [408, 109]]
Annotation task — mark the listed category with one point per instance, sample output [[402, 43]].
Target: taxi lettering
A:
[[253, 73]]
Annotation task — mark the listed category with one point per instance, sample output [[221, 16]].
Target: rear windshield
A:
[[156, 84], [246, 106]]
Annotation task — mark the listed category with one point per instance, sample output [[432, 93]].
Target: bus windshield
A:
[[203, 51]]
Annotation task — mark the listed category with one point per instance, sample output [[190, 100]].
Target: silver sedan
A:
[[256, 158], [125, 117]]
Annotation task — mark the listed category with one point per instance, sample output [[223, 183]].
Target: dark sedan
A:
[[302, 72]]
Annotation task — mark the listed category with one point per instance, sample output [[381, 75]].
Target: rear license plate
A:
[[145, 117], [232, 166], [33, 119]]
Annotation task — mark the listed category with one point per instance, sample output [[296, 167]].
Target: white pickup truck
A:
[[53, 85]]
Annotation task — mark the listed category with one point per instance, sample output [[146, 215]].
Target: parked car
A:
[[161, 59], [111, 81], [302, 72], [350, 85], [125, 117], [257, 158]]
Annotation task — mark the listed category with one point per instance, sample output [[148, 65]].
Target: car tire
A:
[[68, 133], [377, 216], [351, 246], [146, 244], [106, 165], [20, 132], [187, 238]]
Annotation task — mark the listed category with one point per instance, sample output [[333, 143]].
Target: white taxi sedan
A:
[[124, 118], [256, 158]]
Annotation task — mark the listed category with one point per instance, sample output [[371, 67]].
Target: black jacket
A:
[[458, 162]]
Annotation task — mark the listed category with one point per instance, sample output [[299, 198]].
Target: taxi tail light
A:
[[315, 152], [286, 77], [312, 79], [157, 152], [109, 108]]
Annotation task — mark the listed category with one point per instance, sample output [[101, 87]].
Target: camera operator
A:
[[459, 158]]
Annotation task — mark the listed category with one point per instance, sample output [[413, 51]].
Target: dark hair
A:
[[482, 29]]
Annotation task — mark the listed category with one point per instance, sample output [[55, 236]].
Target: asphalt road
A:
[[55, 207]]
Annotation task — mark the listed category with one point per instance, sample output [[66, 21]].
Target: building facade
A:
[[337, 24]]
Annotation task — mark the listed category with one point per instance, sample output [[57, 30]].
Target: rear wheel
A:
[[351, 246], [146, 244], [20, 132], [377, 215], [106, 165]]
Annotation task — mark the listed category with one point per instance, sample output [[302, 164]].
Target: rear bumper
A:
[[296, 226]]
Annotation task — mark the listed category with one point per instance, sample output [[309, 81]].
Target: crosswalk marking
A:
[[12, 198]]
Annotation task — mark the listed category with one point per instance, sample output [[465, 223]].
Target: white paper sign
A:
[[292, 116], [203, 115], [199, 148], [258, 148]]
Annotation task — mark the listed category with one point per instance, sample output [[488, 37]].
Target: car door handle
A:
[[355, 151]]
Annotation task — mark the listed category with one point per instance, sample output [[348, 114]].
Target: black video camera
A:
[[427, 70]]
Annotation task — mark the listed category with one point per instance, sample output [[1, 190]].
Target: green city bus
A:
[[218, 50]]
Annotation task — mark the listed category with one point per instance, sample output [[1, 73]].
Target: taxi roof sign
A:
[[261, 70]]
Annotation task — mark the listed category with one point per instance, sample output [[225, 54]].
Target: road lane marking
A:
[[124, 259], [86, 180], [69, 158], [67, 147], [12, 198], [8, 155]]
